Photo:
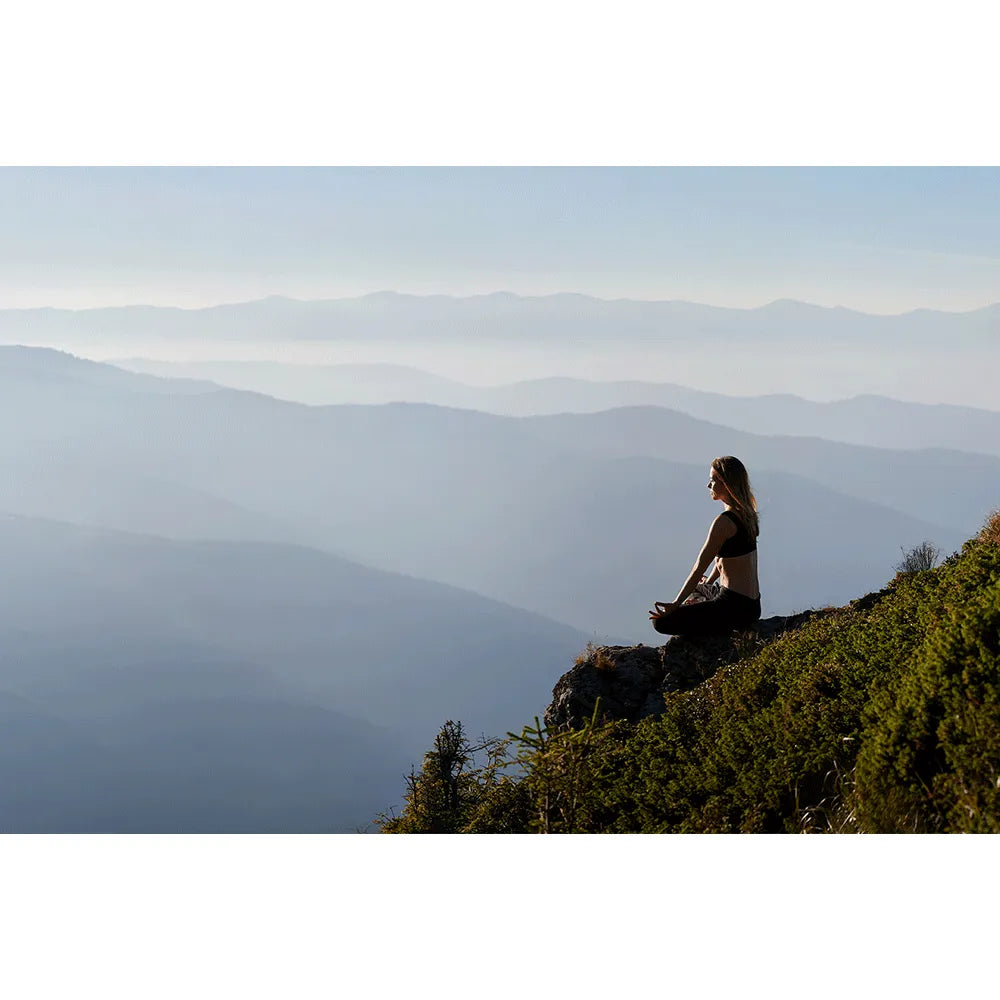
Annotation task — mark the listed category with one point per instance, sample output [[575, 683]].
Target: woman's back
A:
[[738, 560]]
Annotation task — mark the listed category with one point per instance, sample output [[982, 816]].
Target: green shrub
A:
[[883, 716], [452, 790], [833, 727], [931, 758]]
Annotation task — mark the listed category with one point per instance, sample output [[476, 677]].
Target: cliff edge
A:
[[631, 681]]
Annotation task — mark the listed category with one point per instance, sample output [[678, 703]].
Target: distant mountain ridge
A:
[[864, 419], [389, 295], [503, 315], [47, 363]]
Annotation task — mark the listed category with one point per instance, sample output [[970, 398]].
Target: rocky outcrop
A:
[[632, 680]]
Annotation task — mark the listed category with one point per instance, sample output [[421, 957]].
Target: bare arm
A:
[[715, 571], [722, 529]]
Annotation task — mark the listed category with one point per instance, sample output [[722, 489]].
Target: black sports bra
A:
[[741, 543]]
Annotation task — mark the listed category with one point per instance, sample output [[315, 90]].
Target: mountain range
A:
[[824, 353], [506, 317], [535, 512], [865, 419], [264, 607]]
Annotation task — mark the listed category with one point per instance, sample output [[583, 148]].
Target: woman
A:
[[732, 544]]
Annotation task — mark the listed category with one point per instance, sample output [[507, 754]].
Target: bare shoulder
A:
[[723, 526]]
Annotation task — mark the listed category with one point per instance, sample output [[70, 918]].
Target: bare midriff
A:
[[739, 573]]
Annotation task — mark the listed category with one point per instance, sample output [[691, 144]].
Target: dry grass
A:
[[991, 529], [833, 813], [597, 656], [602, 662]]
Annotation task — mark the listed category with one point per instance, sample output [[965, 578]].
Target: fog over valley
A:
[[151, 685], [262, 608], [819, 353]]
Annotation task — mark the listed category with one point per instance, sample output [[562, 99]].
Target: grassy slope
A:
[[884, 716]]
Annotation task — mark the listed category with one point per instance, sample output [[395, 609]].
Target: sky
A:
[[876, 239]]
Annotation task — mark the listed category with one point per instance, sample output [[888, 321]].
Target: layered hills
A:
[[226, 590], [823, 352], [871, 420], [286, 686], [585, 519]]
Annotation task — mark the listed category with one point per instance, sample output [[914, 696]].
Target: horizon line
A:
[[496, 294]]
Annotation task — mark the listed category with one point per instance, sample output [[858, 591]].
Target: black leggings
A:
[[724, 613]]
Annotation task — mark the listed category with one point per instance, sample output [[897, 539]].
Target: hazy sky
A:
[[876, 239]]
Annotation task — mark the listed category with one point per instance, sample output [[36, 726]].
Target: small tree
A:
[[557, 772], [920, 557], [450, 787]]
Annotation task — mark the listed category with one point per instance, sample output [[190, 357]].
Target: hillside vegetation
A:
[[882, 717]]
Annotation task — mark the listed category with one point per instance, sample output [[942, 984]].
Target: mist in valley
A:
[[485, 341], [257, 600]]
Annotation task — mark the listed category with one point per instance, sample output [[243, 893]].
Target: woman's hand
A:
[[661, 608]]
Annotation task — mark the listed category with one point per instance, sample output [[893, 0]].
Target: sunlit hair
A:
[[733, 474]]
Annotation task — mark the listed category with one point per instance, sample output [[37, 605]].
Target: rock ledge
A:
[[632, 680]]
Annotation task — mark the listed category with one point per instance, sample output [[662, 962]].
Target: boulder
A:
[[630, 681]]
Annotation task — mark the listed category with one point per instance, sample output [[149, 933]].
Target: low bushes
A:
[[882, 717]]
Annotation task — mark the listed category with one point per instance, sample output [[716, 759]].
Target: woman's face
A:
[[716, 485]]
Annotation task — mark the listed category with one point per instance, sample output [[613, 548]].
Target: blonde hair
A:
[[734, 474]]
